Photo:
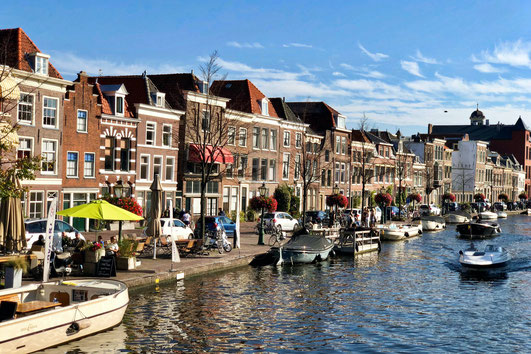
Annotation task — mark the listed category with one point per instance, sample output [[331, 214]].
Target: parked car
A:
[[453, 206], [179, 231], [281, 219], [216, 223], [429, 209], [35, 228], [315, 216], [500, 206]]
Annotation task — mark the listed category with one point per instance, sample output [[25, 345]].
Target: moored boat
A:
[[478, 229], [488, 215], [457, 218], [501, 215], [433, 223], [305, 248], [493, 256], [397, 232], [42, 315]]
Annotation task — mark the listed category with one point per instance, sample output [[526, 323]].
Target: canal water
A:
[[412, 297]]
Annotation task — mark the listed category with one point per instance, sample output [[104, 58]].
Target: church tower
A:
[[477, 117]]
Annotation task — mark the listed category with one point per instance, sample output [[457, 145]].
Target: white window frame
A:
[[148, 167], [25, 122], [273, 145], [298, 140], [154, 141], [161, 165], [93, 175], [54, 172], [76, 175], [164, 133], [86, 121], [265, 107], [284, 138], [43, 68], [172, 178], [116, 113], [338, 145], [42, 202], [44, 98], [233, 130], [283, 157], [32, 142], [240, 135]]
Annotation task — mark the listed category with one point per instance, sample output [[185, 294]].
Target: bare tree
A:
[[462, 179]]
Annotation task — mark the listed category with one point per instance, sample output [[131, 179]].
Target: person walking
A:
[[186, 218], [221, 212]]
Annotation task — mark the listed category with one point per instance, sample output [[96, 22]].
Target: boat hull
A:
[[482, 261], [430, 225], [295, 256], [399, 233], [478, 230], [502, 215], [49, 329], [487, 215], [456, 219]]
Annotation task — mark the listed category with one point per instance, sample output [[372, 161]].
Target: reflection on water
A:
[[413, 296]]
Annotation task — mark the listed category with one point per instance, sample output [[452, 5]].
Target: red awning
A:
[[220, 154]]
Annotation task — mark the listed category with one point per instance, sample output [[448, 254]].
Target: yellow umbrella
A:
[[12, 230]]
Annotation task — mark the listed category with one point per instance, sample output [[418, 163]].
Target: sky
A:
[[402, 64]]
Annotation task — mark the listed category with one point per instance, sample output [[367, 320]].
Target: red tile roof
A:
[[244, 96], [105, 106], [15, 45]]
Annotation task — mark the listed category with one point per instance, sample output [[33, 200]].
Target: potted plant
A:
[[93, 252], [503, 197], [126, 259], [14, 268], [479, 197], [522, 196]]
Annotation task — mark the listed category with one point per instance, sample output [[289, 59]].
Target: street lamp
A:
[[384, 207], [262, 190], [335, 190]]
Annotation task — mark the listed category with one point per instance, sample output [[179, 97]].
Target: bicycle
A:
[[276, 235]]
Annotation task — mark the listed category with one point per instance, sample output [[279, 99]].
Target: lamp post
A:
[[335, 191], [262, 190], [384, 208]]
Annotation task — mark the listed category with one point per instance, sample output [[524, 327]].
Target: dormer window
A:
[[265, 107], [341, 122], [39, 62], [159, 98], [115, 95], [119, 106]]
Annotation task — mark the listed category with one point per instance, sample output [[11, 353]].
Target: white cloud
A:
[[254, 45], [373, 56], [346, 66], [372, 74], [411, 67], [488, 69], [297, 45], [298, 89], [510, 53], [337, 73], [419, 57]]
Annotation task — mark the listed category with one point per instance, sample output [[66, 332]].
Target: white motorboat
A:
[[397, 232], [455, 218], [488, 215], [493, 256], [501, 215], [42, 315], [433, 223]]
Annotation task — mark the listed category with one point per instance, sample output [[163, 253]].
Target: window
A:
[[327, 155], [338, 143], [298, 140], [273, 144], [243, 137], [150, 133], [71, 164], [231, 136], [119, 105], [285, 166], [242, 166], [82, 121], [265, 107], [49, 156], [157, 166], [272, 170], [343, 145], [41, 65], [25, 148], [265, 138], [25, 108], [49, 117], [109, 153], [89, 165], [297, 167], [256, 138], [255, 168], [205, 121], [336, 179], [341, 122], [144, 167], [125, 147], [342, 172], [170, 166], [166, 135], [286, 139], [229, 170], [36, 205], [263, 169]]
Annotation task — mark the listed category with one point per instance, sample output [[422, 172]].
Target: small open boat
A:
[[457, 217], [42, 315], [304, 248], [488, 215], [478, 229], [493, 256], [397, 232], [433, 223], [501, 214]]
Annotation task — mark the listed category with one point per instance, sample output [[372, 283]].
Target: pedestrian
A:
[[373, 219], [186, 218], [221, 212]]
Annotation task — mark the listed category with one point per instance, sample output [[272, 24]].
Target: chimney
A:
[[192, 71], [430, 128], [486, 122]]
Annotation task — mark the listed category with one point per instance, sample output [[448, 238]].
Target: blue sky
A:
[[401, 63]]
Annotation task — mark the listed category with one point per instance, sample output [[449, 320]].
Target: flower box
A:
[[125, 263], [13, 277], [94, 256]]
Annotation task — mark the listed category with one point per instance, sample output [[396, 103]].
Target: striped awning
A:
[[9, 88]]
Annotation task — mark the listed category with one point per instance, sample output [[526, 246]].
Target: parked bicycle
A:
[[276, 235]]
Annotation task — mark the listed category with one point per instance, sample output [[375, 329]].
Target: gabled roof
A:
[[104, 101], [244, 96], [319, 115], [15, 46], [359, 136], [376, 140], [174, 85], [283, 110]]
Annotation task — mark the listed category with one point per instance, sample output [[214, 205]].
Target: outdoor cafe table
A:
[[32, 306]]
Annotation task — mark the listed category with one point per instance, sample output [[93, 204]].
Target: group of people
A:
[[366, 219], [182, 215]]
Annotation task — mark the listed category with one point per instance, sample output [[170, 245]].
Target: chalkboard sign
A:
[[106, 267]]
